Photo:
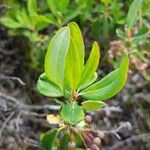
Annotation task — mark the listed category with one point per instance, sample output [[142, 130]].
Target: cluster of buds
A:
[[116, 49], [92, 139]]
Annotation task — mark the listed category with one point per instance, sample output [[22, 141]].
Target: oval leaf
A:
[[109, 85], [78, 40], [47, 88], [91, 65], [93, 105], [48, 139], [56, 56], [72, 113]]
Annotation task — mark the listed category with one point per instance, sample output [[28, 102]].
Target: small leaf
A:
[[47, 88], [72, 113], [73, 68], [10, 23], [88, 83], [91, 65], [121, 34], [23, 19], [78, 40], [48, 139], [32, 7], [56, 57], [109, 85], [141, 33], [64, 142], [91, 105], [43, 22], [132, 13], [62, 4], [53, 6]]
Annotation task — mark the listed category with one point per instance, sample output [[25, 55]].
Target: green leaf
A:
[[91, 105], [23, 19], [47, 88], [48, 139], [10, 23], [141, 33], [91, 65], [73, 68], [77, 38], [72, 113], [43, 22], [32, 7], [132, 13], [109, 85], [121, 34], [62, 4], [88, 83], [53, 6], [64, 142], [56, 57]]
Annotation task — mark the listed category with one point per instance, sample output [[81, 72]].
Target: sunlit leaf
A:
[[77, 38], [32, 7], [62, 4], [109, 85], [91, 65], [73, 67], [72, 113], [47, 88], [53, 6], [90, 105], [56, 57], [10, 23]]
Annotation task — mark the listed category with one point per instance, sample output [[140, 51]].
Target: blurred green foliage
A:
[[118, 25]]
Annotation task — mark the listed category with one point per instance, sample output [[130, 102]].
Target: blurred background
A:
[[27, 26]]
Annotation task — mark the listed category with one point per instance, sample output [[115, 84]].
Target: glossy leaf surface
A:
[[47, 88], [56, 57], [78, 40], [110, 85], [73, 67]]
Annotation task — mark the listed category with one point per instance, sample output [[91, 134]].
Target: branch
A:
[[3, 77], [13, 102], [142, 137]]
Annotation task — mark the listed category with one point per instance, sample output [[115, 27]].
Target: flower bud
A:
[[71, 145]]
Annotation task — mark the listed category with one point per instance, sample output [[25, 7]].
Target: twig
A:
[[13, 102], [5, 123], [3, 77]]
